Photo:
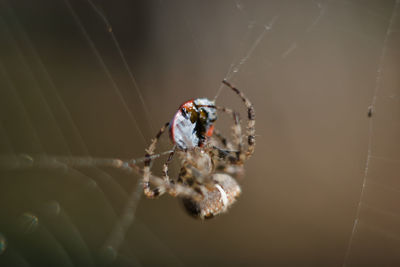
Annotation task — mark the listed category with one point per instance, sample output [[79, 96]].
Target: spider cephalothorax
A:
[[210, 163]]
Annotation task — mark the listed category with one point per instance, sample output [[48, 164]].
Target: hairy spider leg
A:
[[251, 115], [172, 189], [237, 135], [227, 147], [146, 170], [165, 170], [239, 157]]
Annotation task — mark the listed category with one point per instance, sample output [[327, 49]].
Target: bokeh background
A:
[[82, 78]]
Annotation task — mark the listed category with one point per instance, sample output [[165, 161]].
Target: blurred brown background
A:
[[311, 68]]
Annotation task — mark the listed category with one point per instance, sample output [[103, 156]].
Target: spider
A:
[[206, 182]]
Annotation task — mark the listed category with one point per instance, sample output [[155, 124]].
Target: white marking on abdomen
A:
[[224, 197]]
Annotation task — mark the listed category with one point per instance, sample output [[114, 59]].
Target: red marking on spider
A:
[[192, 124]]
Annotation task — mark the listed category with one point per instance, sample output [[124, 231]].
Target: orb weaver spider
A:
[[207, 179]]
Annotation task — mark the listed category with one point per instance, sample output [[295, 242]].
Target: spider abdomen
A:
[[217, 198]]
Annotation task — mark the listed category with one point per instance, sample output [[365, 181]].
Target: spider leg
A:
[[151, 193], [225, 152], [237, 134], [225, 143], [165, 167], [175, 190], [191, 177], [160, 185], [251, 139], [237, 137]]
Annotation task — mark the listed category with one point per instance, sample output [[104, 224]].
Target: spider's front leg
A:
[[233, 156], [251, 120]]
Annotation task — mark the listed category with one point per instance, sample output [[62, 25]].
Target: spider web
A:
[[91, 81], [375, 214]]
